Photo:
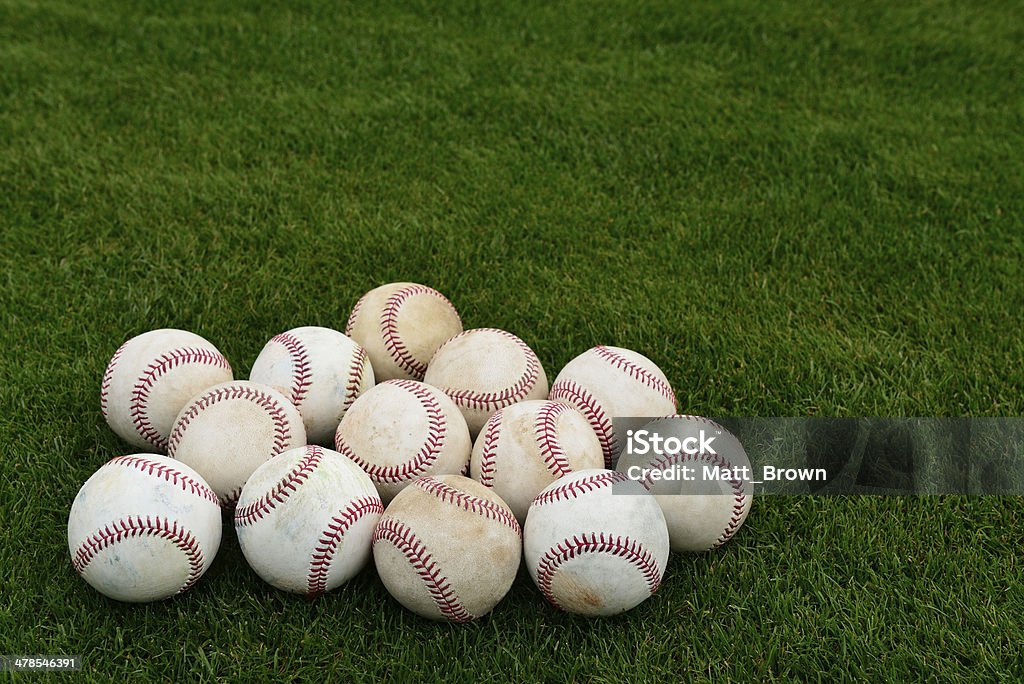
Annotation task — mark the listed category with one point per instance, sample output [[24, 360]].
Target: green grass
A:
[[794, 208]]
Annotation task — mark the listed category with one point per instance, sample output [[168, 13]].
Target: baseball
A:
[[231, 429], [604, 383], [143, 528], [151, 377], [705, 505], [320, 370], [447, 548], [304, 520], [526, 446], [594, 552], [401, 325], [401, 430], [486, 369]]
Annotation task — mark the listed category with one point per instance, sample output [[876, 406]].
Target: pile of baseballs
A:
[[440, 452]]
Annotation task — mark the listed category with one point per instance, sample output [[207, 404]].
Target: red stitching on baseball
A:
[[302, 373], [229, 500], [490, 401], [468, 502], [108, 376], [548, 440], [583, 401], [134, 527], [575, 546], [355, 378], [489, 451], [389, 327], [169, 473], [437, 426], [739, 496], [575, 488], [735, 520], [355, 313], [327, 545], [153, 372], [214, 396], [402, 538], [252, 512], [637, 372]]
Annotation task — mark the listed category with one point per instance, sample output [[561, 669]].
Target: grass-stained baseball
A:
[[526, 446], [486, 369], [320, 370], [151, 377], [401, 325], [305, 518], [705, 493], [143, 527], [402, 430], [229, 430], [596, 543], [447, 548]]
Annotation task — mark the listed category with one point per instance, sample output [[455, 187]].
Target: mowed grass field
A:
[[793, 208]]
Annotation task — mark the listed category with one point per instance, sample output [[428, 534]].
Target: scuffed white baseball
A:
[[486, 369], [226, 432], [151, 377], [447, 548], [707, 503], [604, 383], [143, 528], [305, 518], [595, 543], [526, 446], [401, 325], [400, 430], [320, 370]]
